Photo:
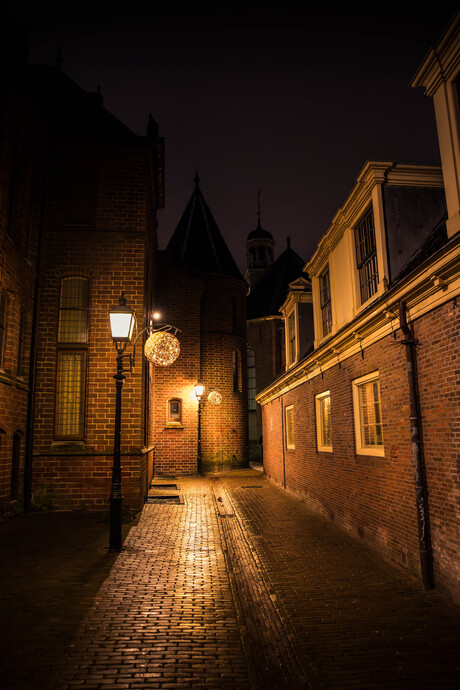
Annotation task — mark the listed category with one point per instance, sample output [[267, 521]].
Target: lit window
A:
[[368, 416], [323, 421], [251, 379], [325, 302], [174, 411], [73, 310], [289, 426], [291, 339], [366, 257], [70, 394]]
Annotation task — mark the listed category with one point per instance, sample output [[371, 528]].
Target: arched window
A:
[[15, 465], [251, 379]]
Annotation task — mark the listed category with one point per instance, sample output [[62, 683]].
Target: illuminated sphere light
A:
[[215, 398], [162, 348]]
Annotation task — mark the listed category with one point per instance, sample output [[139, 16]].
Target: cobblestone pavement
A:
[[238, 587]]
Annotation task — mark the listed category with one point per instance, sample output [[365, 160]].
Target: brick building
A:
[[201, 290], [269, 281], [78, 227], [365, 427], [79, 196]]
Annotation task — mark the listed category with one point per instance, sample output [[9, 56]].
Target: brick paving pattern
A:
[[238, 587]]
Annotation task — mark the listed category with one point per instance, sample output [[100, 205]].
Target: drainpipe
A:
[[28, 458], [426, 559], [282, 441]]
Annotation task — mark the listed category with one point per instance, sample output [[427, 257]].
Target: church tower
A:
[[201, 291], [259, 248]]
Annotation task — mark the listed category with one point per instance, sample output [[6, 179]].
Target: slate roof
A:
[[198, 242], [73, 112], [270, 291]]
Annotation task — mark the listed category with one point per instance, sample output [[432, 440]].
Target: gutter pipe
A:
[[426, 558]]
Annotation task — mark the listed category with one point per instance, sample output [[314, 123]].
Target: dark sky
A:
[[289, 102]]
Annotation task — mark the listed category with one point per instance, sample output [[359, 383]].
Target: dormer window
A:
[[291, 345], [366, 257], [325, 302]]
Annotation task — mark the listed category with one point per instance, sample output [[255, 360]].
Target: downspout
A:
[[283, 441], [426, 558], [28, 459]]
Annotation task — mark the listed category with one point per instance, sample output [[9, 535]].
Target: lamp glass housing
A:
[[122, 321], [199, 389]]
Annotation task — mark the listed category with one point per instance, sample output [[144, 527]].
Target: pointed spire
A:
[[198, 242]]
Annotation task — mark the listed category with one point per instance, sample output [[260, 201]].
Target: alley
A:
[[237, 586]]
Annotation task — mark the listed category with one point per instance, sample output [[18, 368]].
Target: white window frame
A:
[[291, 357], [319, 399], [361, 449], [289, 438]]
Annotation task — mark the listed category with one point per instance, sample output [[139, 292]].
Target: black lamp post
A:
[[122, 320], [199, 391]]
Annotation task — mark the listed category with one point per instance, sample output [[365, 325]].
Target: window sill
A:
[[174, 425], [325, 449], [372, 452]]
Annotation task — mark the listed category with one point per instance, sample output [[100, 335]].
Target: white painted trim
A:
[[318, 413], [360, 449]]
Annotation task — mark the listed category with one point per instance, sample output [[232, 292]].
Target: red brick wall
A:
[[112, 255], [20, 194], [373, 498], [201, 307]]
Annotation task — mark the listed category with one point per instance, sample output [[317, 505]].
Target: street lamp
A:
[[122, 321], [199, 391]]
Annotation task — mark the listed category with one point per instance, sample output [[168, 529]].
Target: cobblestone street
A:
[[238, 586]]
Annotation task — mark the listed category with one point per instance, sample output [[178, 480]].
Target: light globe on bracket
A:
[[162, 348]]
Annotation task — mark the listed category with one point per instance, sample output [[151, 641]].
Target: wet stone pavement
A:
[[239, 586]]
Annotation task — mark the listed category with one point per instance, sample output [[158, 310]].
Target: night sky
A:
[[291, 103]]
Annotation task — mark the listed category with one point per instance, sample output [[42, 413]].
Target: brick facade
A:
[[373, 498], [201, 306]]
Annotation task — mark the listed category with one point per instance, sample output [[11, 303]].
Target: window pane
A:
[[73, 310], [326, 435], [289, 427], [70, 394], [366, 256], [370, 414]]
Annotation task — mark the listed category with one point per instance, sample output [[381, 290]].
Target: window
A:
[[73, 310], [325, 302], [71, 370], [251, 379], [234, 316], [236, 371], [80, 198], [70, 395], [2, 326], [289, 426], [368, 416], [20, 364], [291, 340], [366, 257], [15, 465], [323, 421], [174, 411]]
